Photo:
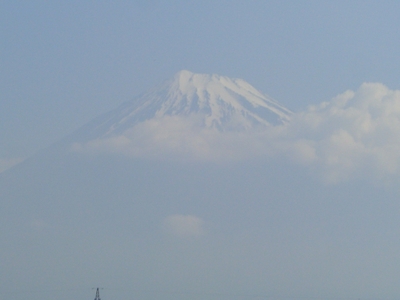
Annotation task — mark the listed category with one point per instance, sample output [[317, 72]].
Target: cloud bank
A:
[[356, 133]]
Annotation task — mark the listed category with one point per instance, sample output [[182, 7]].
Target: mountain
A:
[[219, 103], [173, 229]]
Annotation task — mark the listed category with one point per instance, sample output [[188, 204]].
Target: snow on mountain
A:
[[218, 102]]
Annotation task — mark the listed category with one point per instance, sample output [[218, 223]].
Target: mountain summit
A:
[[218, 102]]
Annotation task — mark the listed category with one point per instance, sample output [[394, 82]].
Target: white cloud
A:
[[184, 225], [180, 138], [8, 163], [356, 133]]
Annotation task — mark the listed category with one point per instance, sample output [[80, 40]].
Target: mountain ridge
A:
[[222, 103]]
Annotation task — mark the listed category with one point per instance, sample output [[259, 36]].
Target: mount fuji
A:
[[215, 102], [150, 203]]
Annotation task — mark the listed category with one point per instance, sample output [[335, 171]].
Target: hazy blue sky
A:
[[315, 216], [63, 63]]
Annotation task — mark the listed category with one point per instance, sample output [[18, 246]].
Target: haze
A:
[[306, 208]]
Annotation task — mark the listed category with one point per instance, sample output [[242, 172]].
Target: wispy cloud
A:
[[180, 138], [356, 133], [184, 225], [8, 163]]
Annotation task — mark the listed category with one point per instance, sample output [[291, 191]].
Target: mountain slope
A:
[[218, 102]]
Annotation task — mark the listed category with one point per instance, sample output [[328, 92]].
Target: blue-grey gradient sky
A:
[[63, 63], [316, 216]]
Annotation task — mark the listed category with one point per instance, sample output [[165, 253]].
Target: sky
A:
[[314, 217], [62, 64]]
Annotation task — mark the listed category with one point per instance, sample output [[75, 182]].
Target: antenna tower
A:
[[97, 295]]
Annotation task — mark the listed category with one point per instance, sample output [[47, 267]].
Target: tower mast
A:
[[97, 295]]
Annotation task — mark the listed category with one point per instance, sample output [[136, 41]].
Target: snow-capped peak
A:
[[220, 102]]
